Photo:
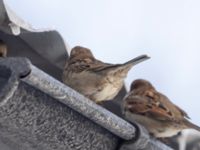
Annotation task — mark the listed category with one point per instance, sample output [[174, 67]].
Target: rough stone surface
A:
[[33, 120]]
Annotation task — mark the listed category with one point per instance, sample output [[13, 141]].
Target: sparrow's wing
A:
[[76, 66], [176, 111], [148, 107], [87, 64], [98, 66]]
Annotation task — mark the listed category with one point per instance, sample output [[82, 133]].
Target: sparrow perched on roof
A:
[[3, 49], [95, 79], [154, 111]]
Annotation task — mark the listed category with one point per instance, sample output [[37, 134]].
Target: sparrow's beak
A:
[[138, 60]]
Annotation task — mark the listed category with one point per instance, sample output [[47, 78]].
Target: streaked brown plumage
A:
[[154, 110], [95, 79], [3, 49]]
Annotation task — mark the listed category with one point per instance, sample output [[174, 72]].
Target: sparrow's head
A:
[[79, 52], [141, 84], [3, 49]]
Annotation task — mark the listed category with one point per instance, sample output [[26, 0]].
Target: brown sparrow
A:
[[154, 111], [3, 49], [95, 79]]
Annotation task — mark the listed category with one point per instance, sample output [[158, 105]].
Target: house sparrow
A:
[[154, 111], [95, 79], [3, 49]]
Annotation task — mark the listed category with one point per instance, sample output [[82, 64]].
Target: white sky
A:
[[118, 30]]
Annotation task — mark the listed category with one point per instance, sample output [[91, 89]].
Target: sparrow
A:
[[3, 49], [150, 108], [93, 78]]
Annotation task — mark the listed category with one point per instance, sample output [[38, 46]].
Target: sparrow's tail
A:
[[191, 125], [122, 69], [137, 60]]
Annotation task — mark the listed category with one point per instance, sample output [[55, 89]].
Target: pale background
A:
[[118, 30]]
